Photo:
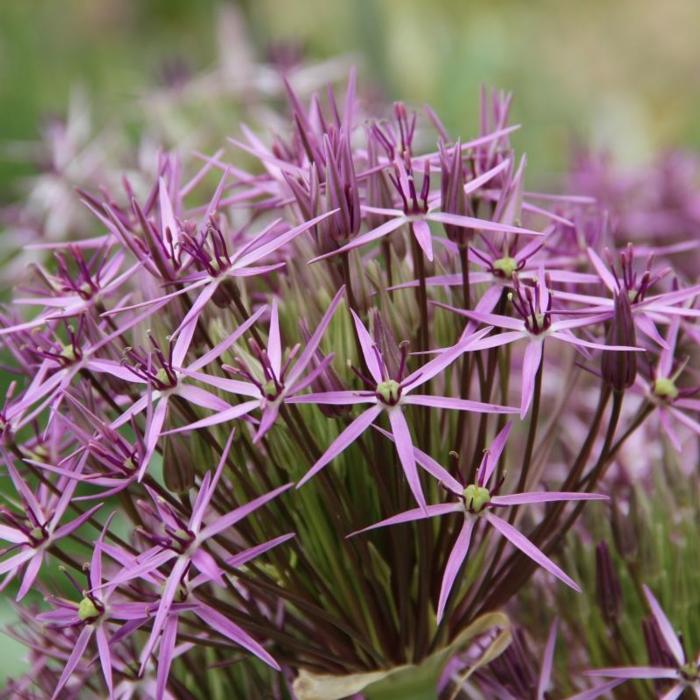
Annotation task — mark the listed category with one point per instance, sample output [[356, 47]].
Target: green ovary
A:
[[665, 388], [87, 610], [269, 389], [68, 353], [508, 266], [389, 391], [476, 498]]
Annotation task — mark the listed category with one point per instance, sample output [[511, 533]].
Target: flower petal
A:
[[225, 627], [414, 514], [274, 342], [370, 351], [519, 540], [230, 519], [454, 562], [456, 404], [531, 364], [633, 672], [665, 627], [73, 660], [518, 499], [346, 438], [404, 446]]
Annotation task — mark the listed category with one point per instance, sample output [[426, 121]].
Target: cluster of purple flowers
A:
[[347, 311]]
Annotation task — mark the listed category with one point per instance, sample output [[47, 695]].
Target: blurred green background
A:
[[621, 75]]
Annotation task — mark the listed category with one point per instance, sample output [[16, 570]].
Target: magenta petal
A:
[[646, 325], [677, 690], [105, 657], [139, 569], [223, 417], [135, 408], [165, 655], [421, 230], [73, 525], [531, 363], [479, 224], [274, 342], [230, 519], [518, 499], [21, 486], [267, 420], [115, 369], [492, 455], [10, 534], [30, 575], [369, 349], [232, 386], [73, 660], [498, 340], [665, 627], [685, 419], [571, 338], [334, 398], [443, 360], [601, 268], [431, 466], [307, 380], [166, 601], [404, 446], [414, 514], [347, 437], [690, 404], [489, 319], [243, 557], [456, 404], [377, 233], [665, 366], [454, 562], [185, 331], [227, 342], [314, 341], [228, 629], [633, 672], [548, 657], [201, 397], [519, 540], [246, 555], [206, 491], [67, 493], [153, 431], [16, 560], [475, 183], [167, 217], [207, 565], [280, 241]]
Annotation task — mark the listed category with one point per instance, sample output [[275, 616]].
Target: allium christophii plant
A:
[[358, 305]]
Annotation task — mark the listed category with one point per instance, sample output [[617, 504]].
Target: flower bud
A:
[[619, 367], [625, 528], [608, 588], [657, 649], [452, 195]]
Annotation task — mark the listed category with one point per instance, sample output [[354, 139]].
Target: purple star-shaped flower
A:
[[387, 393], [476, 501]]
